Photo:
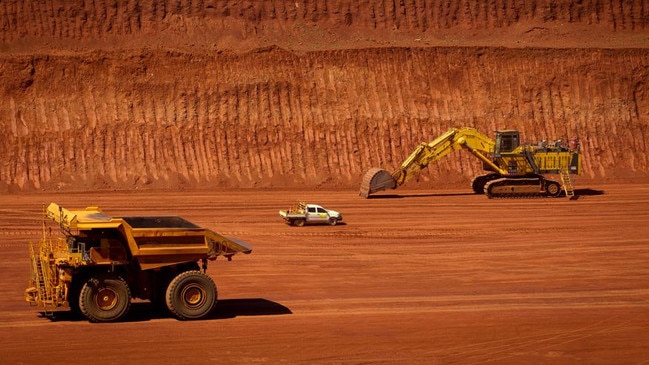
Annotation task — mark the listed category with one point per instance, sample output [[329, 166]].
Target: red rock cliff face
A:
[[200, 94]]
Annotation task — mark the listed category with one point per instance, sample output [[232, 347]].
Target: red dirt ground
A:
[[227, 111], [413, 277]]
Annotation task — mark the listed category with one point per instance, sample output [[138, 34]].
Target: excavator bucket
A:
[[375, 180]]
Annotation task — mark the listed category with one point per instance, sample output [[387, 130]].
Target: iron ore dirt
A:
[[225, 112]]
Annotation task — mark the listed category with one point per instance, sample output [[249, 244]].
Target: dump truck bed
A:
[[159, 222], [154, 241]]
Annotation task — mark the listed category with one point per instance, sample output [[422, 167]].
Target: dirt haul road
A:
[[413, 277]]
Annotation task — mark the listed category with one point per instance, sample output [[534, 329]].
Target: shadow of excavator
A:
[[578, 192], [588, 192], [423, 195]]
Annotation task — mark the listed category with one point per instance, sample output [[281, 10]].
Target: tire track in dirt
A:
[[487, 302], [503, 349]]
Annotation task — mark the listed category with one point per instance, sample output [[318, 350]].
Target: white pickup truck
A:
[[302, 213]]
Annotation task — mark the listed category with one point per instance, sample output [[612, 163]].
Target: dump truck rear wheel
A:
[[191, 295], [104, 299]]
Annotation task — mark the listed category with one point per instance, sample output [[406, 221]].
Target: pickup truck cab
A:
[[303, 213]]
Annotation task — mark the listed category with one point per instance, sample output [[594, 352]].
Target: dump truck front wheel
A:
[[191, 295], [104, 299]]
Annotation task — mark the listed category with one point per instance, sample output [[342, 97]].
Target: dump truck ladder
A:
[[41, 291], [566, 181]]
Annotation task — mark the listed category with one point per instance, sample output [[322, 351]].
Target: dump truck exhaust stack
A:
[[376, 179]]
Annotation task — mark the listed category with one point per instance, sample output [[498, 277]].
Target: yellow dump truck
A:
[[99, 263]]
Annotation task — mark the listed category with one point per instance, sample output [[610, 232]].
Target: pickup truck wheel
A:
[[104, 299], [191, 295], [333, 221], [298, 222]]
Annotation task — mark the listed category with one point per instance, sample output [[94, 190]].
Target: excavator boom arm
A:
[[470, 139]]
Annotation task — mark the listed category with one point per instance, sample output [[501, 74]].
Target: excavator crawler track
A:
[[479, 182], [521, 187]]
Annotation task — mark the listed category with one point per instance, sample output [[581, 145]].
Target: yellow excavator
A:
[[515, 169]]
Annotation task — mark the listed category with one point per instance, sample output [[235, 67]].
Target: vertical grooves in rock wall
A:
[[322, 117], [81, 20]]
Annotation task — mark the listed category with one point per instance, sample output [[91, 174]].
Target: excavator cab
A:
[[506, 141]]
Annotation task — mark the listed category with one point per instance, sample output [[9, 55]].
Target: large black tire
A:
[[104, 299], [553, 188], [479, 182], [191, 295], [159, 282]]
